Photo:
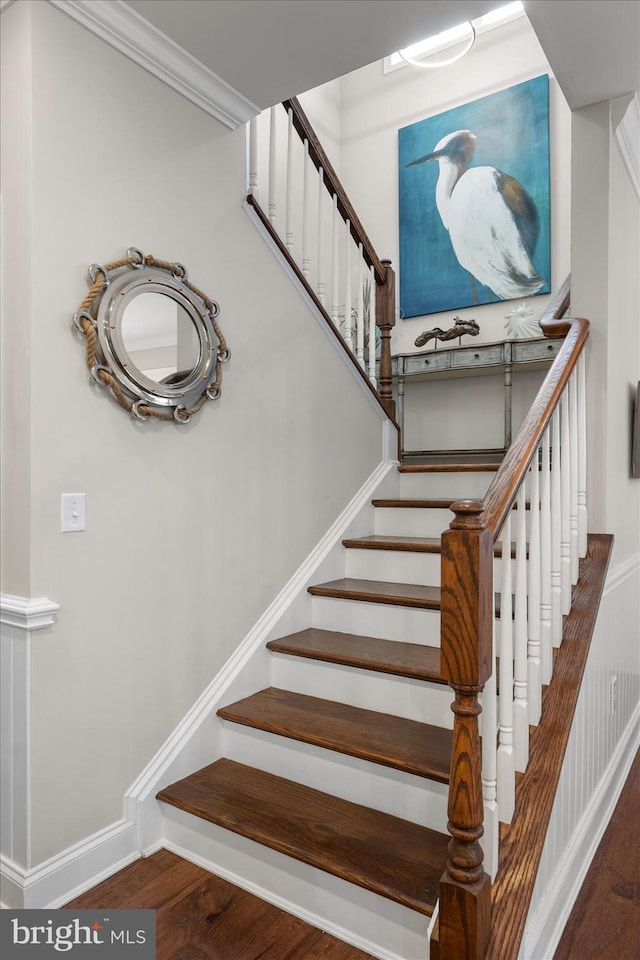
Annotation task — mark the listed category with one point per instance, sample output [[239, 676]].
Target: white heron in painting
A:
[[491, 219]]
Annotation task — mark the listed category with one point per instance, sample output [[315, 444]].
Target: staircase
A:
[[365, 799], [384, 770]]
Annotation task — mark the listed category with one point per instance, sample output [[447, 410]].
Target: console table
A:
[[505, 356]]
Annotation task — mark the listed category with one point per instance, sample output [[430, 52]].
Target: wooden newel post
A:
[[466, 638], [385, 320]]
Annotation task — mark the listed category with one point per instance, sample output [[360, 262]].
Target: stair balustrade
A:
[[540, 487], [309, 215]]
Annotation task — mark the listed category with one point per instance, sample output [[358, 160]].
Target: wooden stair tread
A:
[[395, 858], [380, 591], [413, 503], [478, 455], [370, 653], [409, 544], [417, 748], [383, 591], [448, 467]]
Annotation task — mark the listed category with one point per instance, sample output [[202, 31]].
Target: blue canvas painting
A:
[[474, 202]]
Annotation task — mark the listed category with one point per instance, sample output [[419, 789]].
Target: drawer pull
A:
[[550, 346], [476, 356], [426, 363]]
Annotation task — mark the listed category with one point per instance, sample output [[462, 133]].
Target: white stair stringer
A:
[[376, 925], [373, 785]]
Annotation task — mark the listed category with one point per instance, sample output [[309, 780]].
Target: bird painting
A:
[[491, 219], [474, 202]]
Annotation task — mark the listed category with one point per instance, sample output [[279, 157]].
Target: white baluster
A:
[[335, 308], [347, 293], [288, 230], [565, 524], [534, 654], [520, 667], [372, 330], [556, 533], [582, 459], [252, 180], [273, 164], [360, 317], [546, 550], [489, 717], [573, 455], [306, 213], [506, 757], [320, 278]]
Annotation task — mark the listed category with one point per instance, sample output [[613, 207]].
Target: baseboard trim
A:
[[71, 872], [554, 911]]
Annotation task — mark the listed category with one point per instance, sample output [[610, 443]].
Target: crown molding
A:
[[27, 614], [121, 27], [627, 134]]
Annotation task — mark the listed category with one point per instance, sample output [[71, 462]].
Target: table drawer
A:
[[425, 363], [526, 350], [488, 356]]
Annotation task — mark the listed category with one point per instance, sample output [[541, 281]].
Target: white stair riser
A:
[[403, 566], [461, 486], [420, 521], [411, 522], [350, 778], [402, 696], [409, 624], [394, 565], [379, 926]]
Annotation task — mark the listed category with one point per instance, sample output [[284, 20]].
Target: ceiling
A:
[[268, 50]]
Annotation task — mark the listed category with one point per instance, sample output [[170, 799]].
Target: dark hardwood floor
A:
[[605, 921], [202, 917]]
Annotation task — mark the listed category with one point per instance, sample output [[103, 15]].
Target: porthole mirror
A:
[[152, 337]]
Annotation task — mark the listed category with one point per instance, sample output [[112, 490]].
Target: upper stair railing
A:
[[312, 221], [540, 488]]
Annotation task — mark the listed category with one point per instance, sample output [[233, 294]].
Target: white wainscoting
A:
[[56, 881], [601, 749], [19, 618]]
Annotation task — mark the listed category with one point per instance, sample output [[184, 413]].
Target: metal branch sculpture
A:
[[459, 329]]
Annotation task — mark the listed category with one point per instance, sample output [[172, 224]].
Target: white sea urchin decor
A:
[[522, 322]]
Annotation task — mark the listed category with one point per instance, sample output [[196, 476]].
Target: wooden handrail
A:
[[320, 159], [467, 603]]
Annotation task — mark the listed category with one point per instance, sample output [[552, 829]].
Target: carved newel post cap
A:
[[468, 515]]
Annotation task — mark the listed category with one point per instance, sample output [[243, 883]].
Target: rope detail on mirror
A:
[[110, 359]]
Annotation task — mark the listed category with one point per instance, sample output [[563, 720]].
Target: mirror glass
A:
[[160, 337]]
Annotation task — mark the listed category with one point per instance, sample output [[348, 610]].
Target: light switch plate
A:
[[74, 516]]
